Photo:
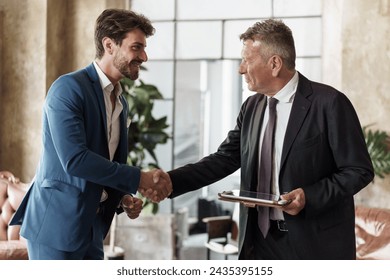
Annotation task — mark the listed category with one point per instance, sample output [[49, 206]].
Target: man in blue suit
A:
[[82, 175]]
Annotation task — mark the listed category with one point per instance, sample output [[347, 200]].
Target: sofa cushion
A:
[[372, 233]]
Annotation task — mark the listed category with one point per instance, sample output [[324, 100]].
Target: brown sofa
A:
[[12, 191], [372, 227]]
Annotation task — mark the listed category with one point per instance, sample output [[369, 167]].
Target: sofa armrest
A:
[[372, 233], [13, 250]]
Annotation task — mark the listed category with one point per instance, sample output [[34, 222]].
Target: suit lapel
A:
[[298, 114], [258, 114], [256, 125], [98, 91], [123, 133]]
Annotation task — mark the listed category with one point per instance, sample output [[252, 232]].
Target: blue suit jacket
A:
[[61, 204]]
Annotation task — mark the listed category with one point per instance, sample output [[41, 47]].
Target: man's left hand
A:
[[132, 206], [298, 201]]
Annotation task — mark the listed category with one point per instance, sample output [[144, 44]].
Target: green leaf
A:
[[378, 147]]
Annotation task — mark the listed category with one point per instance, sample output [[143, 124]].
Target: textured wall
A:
[[356, 61], [366, 75], [23, 86], [42, 39]]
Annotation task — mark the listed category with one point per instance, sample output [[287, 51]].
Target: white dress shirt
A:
[[112, 116], [283, 108], [113, 120]]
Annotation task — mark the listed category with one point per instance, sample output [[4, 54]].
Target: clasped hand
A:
[[155, 185], [132, 206]]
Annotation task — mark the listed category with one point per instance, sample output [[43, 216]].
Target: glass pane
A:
[[222, 9], [232, 31], [160, 45], [164, 151], [160, 74], [284, 8], [207, 103], [199, 40], [188, 113], [307, 34], [310, 67], [155, 9]]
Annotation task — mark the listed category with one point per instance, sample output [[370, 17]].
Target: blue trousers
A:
[[92, 248]]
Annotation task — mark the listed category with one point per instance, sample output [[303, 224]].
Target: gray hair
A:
[[277, 39]]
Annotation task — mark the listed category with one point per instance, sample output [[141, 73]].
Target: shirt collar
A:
[[287, 93], [105, 83]]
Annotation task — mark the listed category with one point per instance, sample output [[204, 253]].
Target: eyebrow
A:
[[138, 44]]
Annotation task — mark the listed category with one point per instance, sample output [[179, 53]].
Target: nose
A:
[[241, 69], [144, 56]]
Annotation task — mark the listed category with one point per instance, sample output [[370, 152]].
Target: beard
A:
[[129, 70]]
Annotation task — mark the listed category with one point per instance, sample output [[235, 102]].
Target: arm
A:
[[338, 165]]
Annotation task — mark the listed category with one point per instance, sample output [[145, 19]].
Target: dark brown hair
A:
[[116, 23], [277, 39]]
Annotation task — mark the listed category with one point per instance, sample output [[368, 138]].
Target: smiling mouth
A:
[[136, 63]]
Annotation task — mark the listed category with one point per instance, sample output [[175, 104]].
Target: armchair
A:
[[12, 191], [222, 234], [372, 228]]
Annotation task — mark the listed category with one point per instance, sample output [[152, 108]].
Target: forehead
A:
[[250, 48], [136, 36]]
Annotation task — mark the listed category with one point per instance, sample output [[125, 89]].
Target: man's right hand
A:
[[155, 185]]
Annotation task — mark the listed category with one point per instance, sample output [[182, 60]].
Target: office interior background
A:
[[193, 60]]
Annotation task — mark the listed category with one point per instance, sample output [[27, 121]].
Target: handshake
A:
[[155, 185]]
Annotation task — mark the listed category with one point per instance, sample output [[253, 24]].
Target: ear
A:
[[108, 45], [276, 63]]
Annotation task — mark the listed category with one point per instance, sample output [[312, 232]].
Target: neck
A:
[[109, 70]]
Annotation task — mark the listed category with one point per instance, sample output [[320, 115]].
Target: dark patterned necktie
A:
[[266, 164]]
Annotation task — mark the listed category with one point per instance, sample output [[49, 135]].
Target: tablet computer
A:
[[253, 199]]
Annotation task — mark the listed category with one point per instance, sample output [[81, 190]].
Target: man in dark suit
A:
[[319, 156], [82, 175]]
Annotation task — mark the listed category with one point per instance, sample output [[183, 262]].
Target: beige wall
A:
[[43, 39], [23, 87], [356, 61]]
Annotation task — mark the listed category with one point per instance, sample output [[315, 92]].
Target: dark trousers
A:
[[276, 245]]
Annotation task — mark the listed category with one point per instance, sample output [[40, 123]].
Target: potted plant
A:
[[145, 131]]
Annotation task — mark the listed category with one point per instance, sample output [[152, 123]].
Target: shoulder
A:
[[78, 76], [252, 101], [75, 80], [313, 90]]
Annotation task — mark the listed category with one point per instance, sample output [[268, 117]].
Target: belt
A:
[[279, 225]]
